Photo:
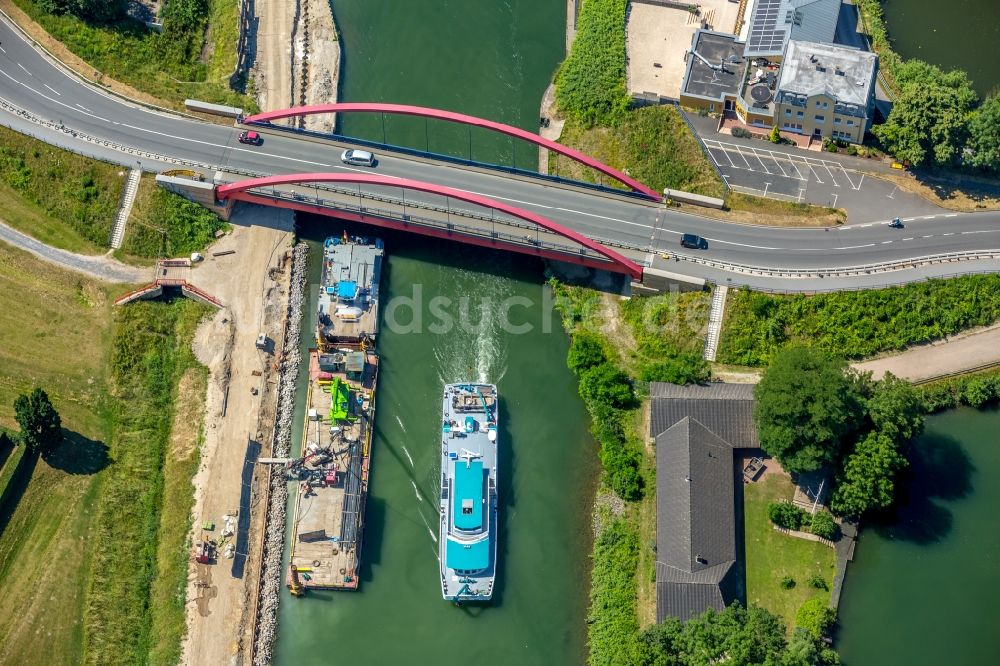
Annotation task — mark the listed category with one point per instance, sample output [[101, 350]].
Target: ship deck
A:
[[329, 518], [350, 279]]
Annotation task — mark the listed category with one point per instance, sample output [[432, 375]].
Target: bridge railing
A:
[[524, 240]]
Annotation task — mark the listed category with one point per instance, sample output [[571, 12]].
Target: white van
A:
[[357, 157]]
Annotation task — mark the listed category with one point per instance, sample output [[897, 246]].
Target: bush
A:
[[590, 85], [786, 514], [852, 149], [823, 525], [787, 582], [857, 324], [775, 136], [585, 352], [742, 133], [816, 617], [817, 581], [974, 391], [606, 384], [170, 225], [612, 623]]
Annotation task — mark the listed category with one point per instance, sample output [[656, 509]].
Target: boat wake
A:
[[476, 347]]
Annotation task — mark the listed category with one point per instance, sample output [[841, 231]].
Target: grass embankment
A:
[[771, 555], [856, 324], [171, 66], [164, 224], [54, 333], [92, 547], [642, 337], [56, 196], [748, 209], [654, 145], [135, 598]]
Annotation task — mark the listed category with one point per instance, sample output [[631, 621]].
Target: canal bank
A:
[[921, 590]]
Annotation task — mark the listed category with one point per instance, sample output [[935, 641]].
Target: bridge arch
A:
[[628, 266], [461, 118]]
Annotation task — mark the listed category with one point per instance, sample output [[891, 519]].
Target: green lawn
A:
[[56, 196], [771, 555]]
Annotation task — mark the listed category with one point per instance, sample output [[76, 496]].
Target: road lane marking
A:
[[3, 49], [952, 215], [886, 242], [950, 233], [907, 239], [25, 70], [928, 236], [84, 108], [854, 247], [52, 89]]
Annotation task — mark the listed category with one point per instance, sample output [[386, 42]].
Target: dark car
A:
[[694, 242], [251, 138]]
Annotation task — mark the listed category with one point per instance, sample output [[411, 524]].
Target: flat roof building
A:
[[714, 70]]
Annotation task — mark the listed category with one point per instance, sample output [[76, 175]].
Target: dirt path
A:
[[240, 390], [959, 353], [99, 267], [273, 68]]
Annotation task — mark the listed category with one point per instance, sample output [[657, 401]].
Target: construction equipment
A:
[[205, 552]]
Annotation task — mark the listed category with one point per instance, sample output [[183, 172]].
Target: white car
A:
[[357, 157]]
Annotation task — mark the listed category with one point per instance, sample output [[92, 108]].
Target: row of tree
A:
[[738, 636], [937, 120], [813, 412]]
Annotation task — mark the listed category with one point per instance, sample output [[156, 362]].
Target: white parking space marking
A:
[[739, 152], [830, 171]]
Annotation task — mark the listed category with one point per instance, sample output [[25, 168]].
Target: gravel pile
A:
[[274, 536]]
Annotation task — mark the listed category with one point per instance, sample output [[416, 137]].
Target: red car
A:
[[251, 137]]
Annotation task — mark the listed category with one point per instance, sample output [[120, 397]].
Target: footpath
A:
[[965, 352], [99, 267]]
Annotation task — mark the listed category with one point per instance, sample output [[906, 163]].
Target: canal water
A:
[[960, 34], [922, 589], [492, 59], [486, 58]]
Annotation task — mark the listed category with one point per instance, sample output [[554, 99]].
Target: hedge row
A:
[[590, 85], [857, 324]]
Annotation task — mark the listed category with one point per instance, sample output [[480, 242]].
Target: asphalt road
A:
[[29, 81]]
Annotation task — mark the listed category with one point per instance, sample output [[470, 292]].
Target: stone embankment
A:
[[316, 60], [274, 535]]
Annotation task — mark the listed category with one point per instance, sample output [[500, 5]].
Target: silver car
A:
[[357, 157]]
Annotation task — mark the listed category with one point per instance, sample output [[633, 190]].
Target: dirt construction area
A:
[[250, 278], [656, 39]]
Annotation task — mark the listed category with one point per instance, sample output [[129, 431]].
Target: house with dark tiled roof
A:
[[699, 494]]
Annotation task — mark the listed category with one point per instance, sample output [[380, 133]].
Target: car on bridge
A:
[[252, 138], [694, 242], [357, 158]]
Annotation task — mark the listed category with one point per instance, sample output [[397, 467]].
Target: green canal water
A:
[[960, 34], [922, 590], [492, 59]]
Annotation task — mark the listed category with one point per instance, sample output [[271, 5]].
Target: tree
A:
[[184, 15], [807, 404], [100, 11], [896, 409], [927, 124], [815, 616], [605, 383], [984, 136], [775, 136], [41, 428], [804, 649], [867, 481], [585, 352]]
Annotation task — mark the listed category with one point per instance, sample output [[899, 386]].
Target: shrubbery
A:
[[823, 525], [170, 225], [590, 85], [857, 324], [612, 622], [974, 391], [816, 617], [787, 515]]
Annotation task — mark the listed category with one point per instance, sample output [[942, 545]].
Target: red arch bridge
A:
[[382, 201], [462, 119]]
